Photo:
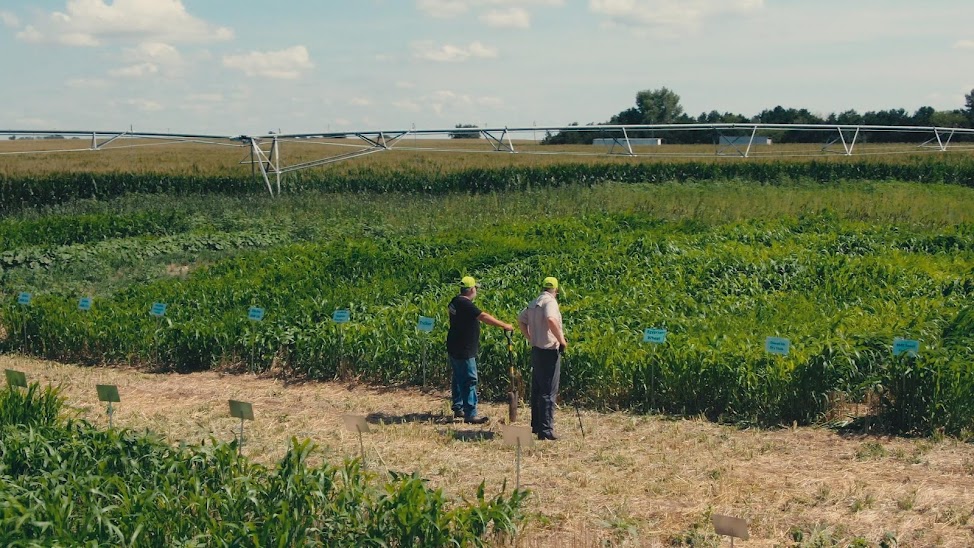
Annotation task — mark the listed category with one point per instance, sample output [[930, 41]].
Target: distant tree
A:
[[969, 107], [13, 137], [569, 137], [470, 131], [659, 106], [630, 116], [846, 118], [949, 118], [714, 117], [923, 115]]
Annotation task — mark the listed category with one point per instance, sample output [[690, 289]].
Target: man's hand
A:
[[508, 327], [562, 347]]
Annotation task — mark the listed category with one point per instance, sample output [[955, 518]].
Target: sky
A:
[[230, 67]]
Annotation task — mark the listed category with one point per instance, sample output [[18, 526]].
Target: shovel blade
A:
[[511, 406]]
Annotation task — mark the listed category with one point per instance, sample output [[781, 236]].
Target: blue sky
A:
[[230, 67]]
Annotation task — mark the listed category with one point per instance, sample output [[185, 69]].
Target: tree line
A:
[[662, 106]]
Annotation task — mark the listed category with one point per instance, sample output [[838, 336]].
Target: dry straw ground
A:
[[633, 480]]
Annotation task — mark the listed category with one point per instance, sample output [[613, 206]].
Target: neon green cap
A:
[[551, 282], [468, 281]]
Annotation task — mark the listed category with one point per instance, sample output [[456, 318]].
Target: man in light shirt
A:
[[540, 322]]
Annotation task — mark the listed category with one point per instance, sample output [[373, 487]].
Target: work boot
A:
[[476, 420], [458, 413], [542, 436]]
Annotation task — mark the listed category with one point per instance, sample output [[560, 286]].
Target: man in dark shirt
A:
[[462, 344]]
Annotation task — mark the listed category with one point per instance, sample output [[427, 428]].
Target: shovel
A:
[[574, 399], [512, 397]]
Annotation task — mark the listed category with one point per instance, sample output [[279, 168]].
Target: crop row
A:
[[71, 484], [840, 291], [17, 192]]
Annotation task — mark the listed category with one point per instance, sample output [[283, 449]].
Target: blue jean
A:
[[464, 388]]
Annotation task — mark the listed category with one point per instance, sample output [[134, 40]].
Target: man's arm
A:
[[490, 320], [522, 324], [557, 331]]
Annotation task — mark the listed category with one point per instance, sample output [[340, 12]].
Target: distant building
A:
[[653, 142], [744, 140]]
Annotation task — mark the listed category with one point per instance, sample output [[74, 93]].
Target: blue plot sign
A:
[[425, 324], [777, 345], [655, 336], [905, 346]]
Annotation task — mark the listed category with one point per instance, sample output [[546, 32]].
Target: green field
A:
[[839, 268], [838, 256]]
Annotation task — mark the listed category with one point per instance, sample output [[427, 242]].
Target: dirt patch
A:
[[632, 480], [177, 270]]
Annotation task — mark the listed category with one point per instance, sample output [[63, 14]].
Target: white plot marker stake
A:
[[730, 527], [241, 410], [108, 393], [518, 436], [357, 423]]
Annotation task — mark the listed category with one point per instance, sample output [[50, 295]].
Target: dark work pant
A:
[[545, 373]]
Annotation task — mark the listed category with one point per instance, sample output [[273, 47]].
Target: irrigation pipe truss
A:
[[743, 140]]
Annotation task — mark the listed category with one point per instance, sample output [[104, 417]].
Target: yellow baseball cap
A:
[[468, 281], [551, 282]]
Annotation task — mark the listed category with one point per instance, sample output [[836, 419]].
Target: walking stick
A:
[[512, 397], [574, 399]]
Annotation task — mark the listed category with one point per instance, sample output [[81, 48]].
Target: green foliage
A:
[[839, 290], [840, 269], [80, 229], [30, 407], [71, 484]]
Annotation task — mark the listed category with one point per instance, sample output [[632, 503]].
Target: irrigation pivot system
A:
[[743, 140]]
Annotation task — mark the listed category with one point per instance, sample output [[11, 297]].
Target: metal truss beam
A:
[[498, 142]]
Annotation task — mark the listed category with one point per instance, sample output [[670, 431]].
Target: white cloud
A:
[[359, 102], [155, 51], [87, 83], [30, 34], [681, 14], [441, 100], [9, 19], [34, 123], [149, 58], [286, 64], [406, 105], [443, 9], [135, 71], [513, 18], [146, 105], [92, 22], [205, 97], [964, 44], [449, 53]]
